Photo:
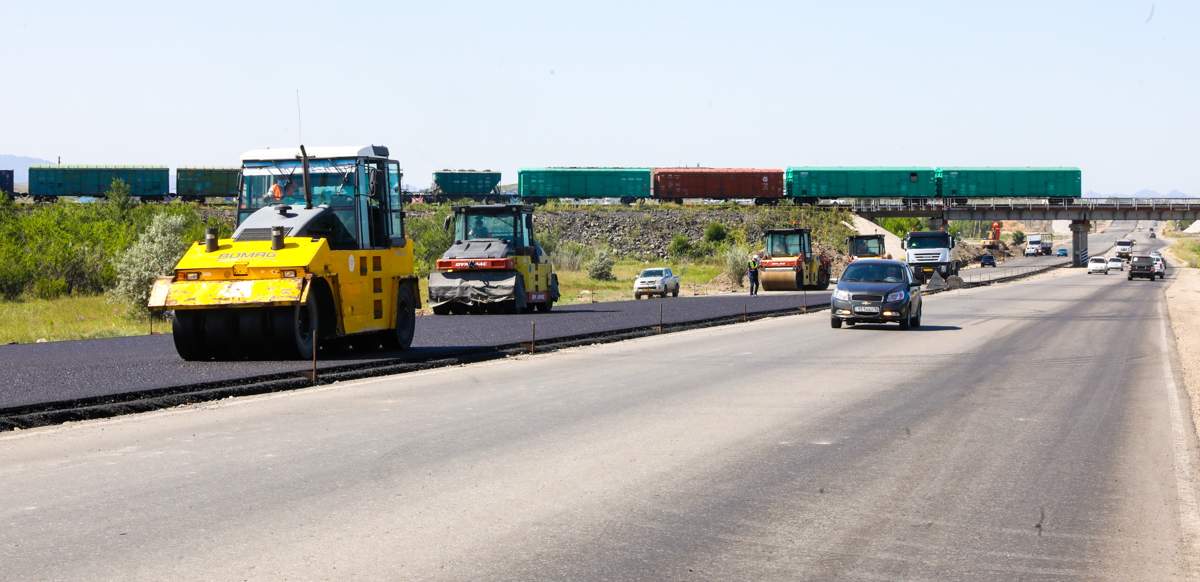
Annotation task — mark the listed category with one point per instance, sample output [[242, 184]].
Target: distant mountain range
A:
[[21, 165]]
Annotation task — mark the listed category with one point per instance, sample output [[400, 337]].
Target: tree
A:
[[601, 267], [155, 253], [1018, 237], [120, 196]]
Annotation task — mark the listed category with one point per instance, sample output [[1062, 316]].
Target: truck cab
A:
[[930, 252], [1124, 248]]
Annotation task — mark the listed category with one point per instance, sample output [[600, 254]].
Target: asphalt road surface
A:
[[1027, 431], [64, 371]]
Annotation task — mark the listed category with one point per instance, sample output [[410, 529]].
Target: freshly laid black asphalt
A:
[[71, 370], [36, 374]]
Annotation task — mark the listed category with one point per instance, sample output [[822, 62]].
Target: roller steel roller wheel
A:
[[186, 328]]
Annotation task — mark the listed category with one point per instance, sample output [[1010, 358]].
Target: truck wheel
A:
[[675, 293], [401, 336], [544, 307], [185, 330], [835, 323]]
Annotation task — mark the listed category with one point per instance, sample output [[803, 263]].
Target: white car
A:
[[1097, 265], [1116, 263], [657, 281]]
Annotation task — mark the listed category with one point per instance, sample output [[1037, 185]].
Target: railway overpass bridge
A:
[[1080, 211]]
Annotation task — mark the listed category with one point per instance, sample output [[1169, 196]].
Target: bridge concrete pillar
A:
[[1079, 242]]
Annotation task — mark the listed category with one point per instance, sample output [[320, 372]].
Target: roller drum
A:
[[778, 280]]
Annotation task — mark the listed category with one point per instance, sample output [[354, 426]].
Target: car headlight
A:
[[842, 294], [895, 296]]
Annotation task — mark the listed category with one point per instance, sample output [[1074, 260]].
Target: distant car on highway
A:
[[1142, 267], [1061, 252], [1160, 266], [1097, 265], [1116, 264], [877, 291], [1152, 235], [987, 261], [658, 281], [1032, 251]]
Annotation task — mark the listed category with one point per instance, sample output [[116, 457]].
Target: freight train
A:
[[797, 184], [800, 184], [151, 183]]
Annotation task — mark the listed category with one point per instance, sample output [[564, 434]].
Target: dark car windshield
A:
[[873, 273], [929, 242]]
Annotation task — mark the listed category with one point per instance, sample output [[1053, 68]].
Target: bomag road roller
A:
[[789, 263], [494, 265], [866, 246], [319, 253]]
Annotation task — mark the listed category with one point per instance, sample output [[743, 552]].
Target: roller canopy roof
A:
[[319, 152]]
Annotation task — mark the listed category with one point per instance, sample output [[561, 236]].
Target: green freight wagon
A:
[[1011, 182], [199, 183], [466, 183], [48, 182], [803, 183], [625, 183]]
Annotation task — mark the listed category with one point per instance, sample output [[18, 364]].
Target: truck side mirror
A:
[[904, 243], [446, 223]]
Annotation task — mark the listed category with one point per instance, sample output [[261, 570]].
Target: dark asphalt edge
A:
[[51, 413]]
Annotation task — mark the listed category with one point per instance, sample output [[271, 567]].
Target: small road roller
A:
[[319, 253], [789, 263], [494, 265]]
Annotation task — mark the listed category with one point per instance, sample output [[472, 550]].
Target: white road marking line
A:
[[1189, 509]]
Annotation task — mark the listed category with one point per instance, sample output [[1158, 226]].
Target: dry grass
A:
[[68, 318]]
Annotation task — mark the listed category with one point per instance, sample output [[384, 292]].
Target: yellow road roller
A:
[[494, 265], [789, 263], [319, 253]]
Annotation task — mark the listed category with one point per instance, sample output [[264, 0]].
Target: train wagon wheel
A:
[[186, 329]]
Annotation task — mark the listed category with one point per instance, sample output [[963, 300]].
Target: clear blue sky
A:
[[510, 84]]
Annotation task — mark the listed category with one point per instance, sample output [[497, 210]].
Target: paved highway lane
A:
[[1029, 431], [61, 371]]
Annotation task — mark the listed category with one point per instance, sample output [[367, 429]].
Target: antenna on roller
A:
[[299, 120]]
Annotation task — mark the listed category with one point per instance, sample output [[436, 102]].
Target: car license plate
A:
[[866, 309]]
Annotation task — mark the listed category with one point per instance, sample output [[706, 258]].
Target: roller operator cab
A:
[[319, 253], [867, 246], [495, 264], [929, 253], [789, 264]]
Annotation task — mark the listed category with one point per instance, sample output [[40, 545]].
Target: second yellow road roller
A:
[[319, 253], [789, 263]]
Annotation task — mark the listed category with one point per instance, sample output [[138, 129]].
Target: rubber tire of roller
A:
[[252, 333], [185, 330], [292, 342], [220, 333], [400, 337]]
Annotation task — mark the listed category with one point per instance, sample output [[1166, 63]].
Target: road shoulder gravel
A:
[[1183, 306]]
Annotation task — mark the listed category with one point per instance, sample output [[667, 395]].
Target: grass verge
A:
[[67, 318]]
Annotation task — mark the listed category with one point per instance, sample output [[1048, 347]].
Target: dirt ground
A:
[[1183, 303]]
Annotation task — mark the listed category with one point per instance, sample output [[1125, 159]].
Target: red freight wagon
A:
[[721, 183]]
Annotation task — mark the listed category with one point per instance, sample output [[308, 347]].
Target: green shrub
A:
[[155, 253], [715, 232], [1018, 237], [430, 237], [737, 258], [571, 256], [680, 247], [601, 267]]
